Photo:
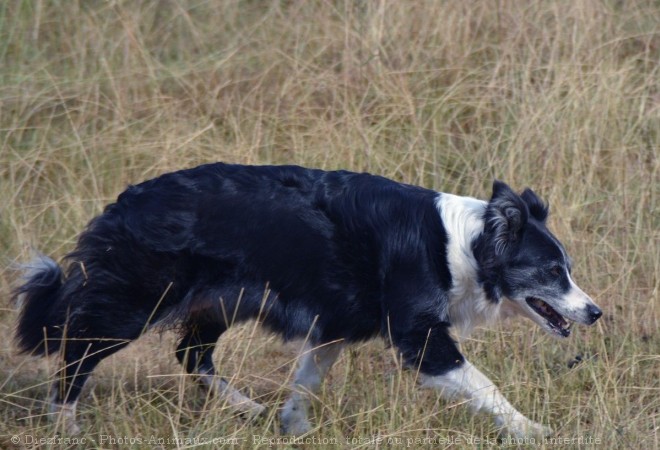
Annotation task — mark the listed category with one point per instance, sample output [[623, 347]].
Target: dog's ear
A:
[[506, 215], [537, 207]]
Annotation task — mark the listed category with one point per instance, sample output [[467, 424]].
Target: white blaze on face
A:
[[575, 305], [576, 299]]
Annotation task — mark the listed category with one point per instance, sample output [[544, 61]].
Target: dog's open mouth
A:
[[556, 321]]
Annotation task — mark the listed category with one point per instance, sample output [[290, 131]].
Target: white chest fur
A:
[[468, 305]]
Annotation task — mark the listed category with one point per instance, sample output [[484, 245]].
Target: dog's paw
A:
[[252, 411], [539, 430], [245, 406], [295, 427], [71, 428], [525, 428], [294, 421], [64, 417]]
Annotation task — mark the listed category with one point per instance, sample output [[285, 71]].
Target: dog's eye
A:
[[556, 271]]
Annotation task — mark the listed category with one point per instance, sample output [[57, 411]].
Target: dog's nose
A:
[[594, 313]]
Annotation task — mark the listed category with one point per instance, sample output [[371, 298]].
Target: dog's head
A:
[[522, 264]]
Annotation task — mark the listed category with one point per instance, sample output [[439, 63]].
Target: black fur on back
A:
[[329, 255]]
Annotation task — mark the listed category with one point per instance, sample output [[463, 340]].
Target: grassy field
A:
[[562, 96]]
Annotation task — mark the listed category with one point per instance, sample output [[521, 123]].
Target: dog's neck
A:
[[468, 304]]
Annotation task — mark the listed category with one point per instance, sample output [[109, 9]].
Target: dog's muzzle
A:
[[594, 313]]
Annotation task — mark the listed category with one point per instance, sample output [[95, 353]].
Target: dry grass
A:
[[560, 95]]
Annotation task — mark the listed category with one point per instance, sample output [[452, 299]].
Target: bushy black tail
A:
[[37, 332]]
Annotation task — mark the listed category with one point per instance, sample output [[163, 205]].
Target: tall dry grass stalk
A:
[[563, 96]]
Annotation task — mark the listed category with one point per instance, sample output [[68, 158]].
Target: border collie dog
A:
[[331, 257]]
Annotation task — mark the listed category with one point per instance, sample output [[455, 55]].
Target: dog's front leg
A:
[[467, 382], [314, 364]]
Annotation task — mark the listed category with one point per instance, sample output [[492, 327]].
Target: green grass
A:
[[560, 96]]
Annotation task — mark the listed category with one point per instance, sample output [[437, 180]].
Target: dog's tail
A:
[[37, 332]]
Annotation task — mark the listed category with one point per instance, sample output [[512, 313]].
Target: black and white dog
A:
[[331, 257]]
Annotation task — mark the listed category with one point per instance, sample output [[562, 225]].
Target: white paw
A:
[[64, 416], [523, 427], [252, 410], [71, 428], [294, 420], [239, 402]]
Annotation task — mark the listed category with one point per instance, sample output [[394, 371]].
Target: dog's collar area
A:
[[557, 323]]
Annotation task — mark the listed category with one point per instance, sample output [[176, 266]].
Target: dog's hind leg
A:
[[467, 382], [314, 364], [80, 357], [195, 353]]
